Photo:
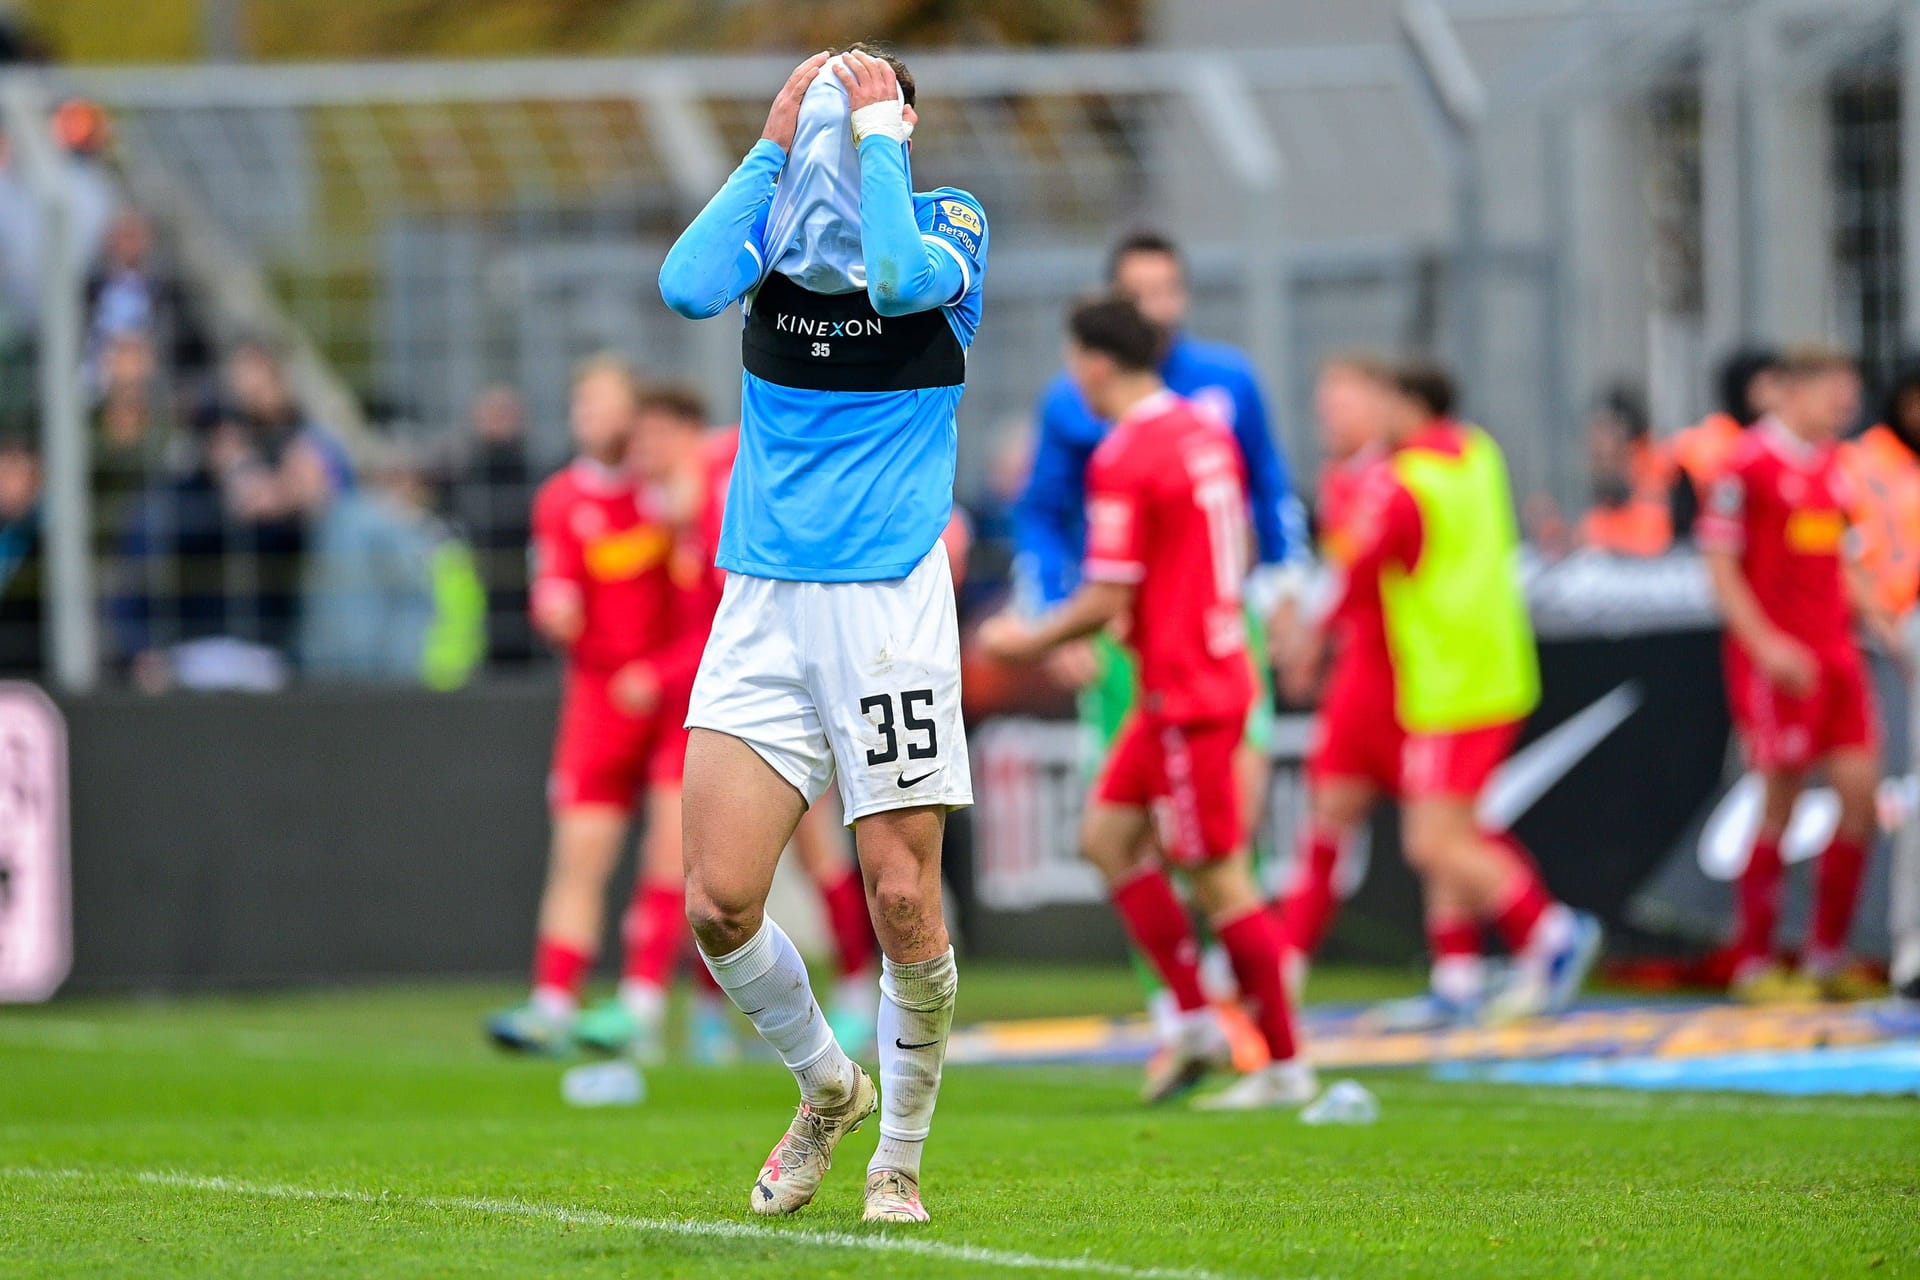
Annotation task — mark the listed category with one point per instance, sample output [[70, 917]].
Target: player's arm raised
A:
[[906, 273], [718, 258]]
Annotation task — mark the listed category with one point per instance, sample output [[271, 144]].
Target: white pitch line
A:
[[684, 1227]]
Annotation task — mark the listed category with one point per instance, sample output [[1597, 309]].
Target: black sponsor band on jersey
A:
[[838, 342]]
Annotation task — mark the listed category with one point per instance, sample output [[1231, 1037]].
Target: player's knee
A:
[[898, 901], [1425, 851], [905, 916], [1857, 807], [720, 923], [1113, 864]]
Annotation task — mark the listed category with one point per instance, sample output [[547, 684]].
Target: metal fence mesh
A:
[[439, 245]]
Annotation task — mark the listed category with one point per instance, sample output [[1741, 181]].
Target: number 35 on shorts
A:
[[904, 729]]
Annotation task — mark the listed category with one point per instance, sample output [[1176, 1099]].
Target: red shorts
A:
[[1184, 774], [603, 756], [1781, 731], [1433, 765], [1357, 736]]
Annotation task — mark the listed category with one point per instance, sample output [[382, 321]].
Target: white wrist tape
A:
[[885, 119]]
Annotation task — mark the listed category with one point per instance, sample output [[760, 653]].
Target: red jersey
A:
[[1358, 625], [1387, 527], [593, 541], [1781, 506], [1167, 512]]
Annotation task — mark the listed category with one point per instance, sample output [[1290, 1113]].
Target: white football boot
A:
[[801, 1158], [1199, 1046], [893, 1196], [1274, 1086]]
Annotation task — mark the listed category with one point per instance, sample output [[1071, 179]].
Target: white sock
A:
[[767, 981], [645, 1001], [556, 1002], [1165, 1015], [916, 1013], [1216, 974], [1200, 1031], [1458, 979], [1553, 932]]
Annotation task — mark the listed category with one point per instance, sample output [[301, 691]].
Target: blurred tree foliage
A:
[[172, 30]]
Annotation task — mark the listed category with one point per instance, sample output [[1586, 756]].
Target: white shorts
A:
[[862, 675]]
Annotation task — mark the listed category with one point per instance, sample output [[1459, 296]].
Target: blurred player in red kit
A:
[[603, 593], [1430, 551], [1774, 531], [1355, 758], [1167, 550]]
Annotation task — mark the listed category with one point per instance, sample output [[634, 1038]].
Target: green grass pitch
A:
[[372, 1134]]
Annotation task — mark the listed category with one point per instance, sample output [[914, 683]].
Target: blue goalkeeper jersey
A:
[[1049, 520], [847, 428]]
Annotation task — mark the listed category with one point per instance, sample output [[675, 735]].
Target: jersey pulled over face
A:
[[1167, 514], [592, 541], [1781, 505], [848, 437]]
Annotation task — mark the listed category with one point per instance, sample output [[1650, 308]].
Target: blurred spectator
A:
[[205, 590], [268, 484], [1546, 526], [20, 576], [1632, 479], [392, 597], [1883, 466], [128, 294], [991, 506], [490, 498], [1748, 381], [131, 432]]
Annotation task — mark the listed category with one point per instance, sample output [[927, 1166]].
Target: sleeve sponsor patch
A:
[[1110, 527], [959, 222], [1728, 498]]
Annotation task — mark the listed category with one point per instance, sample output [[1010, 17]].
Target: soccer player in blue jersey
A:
[[836, 649], [1049, 521]]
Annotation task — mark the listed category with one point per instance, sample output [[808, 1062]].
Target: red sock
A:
[[1452, 938], [1159, 927], [1527, 899], [1836, 889], [559, 969], [655, 931], [1307, 910], [703, 977], [1759, 901], [846, 903], [1253, 945]]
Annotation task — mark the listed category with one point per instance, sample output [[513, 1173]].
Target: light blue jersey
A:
[[847, 431]]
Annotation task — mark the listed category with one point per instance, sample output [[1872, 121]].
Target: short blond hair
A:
[[1813, 359], [610, 365]]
